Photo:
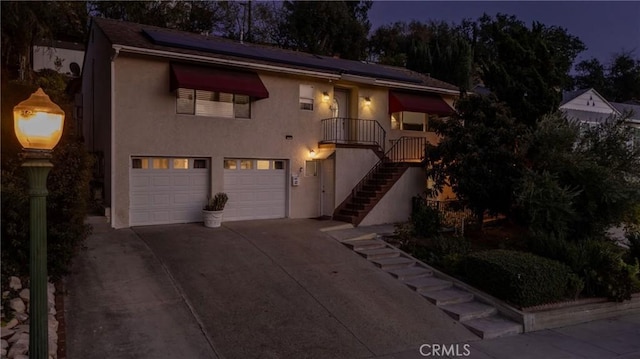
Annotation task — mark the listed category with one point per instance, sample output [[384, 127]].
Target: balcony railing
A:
[[353, 131]]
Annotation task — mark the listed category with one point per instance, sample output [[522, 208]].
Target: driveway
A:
[[256, 289]]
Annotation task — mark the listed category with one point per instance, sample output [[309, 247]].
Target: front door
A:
[[328, 186], [340, 108]]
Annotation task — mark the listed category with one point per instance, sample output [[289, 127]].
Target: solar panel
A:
[[190, 42]]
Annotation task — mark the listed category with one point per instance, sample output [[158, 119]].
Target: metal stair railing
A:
[[405, 149], [353, 131]]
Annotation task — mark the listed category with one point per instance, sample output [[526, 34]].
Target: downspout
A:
[[113, 133]]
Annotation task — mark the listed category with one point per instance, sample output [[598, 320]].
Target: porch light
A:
[[325, 96], [312, 154], [38, 122], [367, 101]]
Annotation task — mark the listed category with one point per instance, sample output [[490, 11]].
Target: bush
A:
[[599, 263], [521, 278], [426, 220], [67, 184]]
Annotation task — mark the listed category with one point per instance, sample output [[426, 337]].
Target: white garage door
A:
[[168, 190], [256, 189]]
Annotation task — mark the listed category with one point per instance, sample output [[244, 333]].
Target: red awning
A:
[[217, 80], [418, 102]]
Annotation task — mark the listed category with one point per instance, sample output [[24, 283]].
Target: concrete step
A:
[[448, 296], [410, 272], [493, 327], [468, 311], [426, 284], [394, 263], [361, 244], [378, 253]]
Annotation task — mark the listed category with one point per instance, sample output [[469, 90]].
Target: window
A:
[[306, 97], [278, 165], [142, 163], [208, 103], [230, 165], [310, 168], [410, 121], [263, 165], [246, 164], [181, 163], [199, 163], [161, 163]]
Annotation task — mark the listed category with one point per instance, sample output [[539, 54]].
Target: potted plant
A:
[[212, 211]]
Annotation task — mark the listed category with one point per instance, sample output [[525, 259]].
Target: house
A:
[[588, 107], [62, 56], [175, 117]]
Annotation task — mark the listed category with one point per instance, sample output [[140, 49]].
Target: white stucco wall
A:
[[352, 164], [395, 206], [147, 125]]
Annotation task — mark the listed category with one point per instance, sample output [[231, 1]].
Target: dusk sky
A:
[[604, 27]]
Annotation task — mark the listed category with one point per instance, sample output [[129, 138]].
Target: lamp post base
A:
[[38, 168]]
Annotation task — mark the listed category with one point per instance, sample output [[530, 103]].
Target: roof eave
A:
[[281, 69]]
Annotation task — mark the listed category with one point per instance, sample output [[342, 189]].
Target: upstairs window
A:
[[214, 104], [410, 121], [306, 97]]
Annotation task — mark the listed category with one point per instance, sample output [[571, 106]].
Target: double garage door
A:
[[168, 190]]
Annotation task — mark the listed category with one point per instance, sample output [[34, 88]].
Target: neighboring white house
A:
[[176, 117], [62, 56], [589, 107]]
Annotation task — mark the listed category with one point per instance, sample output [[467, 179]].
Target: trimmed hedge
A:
[[523, 279]]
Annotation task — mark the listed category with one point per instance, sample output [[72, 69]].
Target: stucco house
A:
[[175, 117]]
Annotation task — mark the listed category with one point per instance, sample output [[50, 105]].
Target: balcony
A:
[[354, 132]]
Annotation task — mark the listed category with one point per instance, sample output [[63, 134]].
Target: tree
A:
[[192, 16], [24, 23], [617, 81], [332, 28], [524, 67], [592, 74], [436, 48], [479, 155], [596, 168]]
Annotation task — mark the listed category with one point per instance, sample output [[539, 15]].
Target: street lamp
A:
[[38, 125]]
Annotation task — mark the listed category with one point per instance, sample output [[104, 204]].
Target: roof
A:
[[570, 95], [58, 44], [148, 37], [625, 107]]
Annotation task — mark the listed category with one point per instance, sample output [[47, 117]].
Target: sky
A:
[[605, 27]]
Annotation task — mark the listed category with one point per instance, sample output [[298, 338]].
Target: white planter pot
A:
[[212, 219]]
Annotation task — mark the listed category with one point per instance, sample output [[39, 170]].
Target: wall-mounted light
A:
[[367, 101], [325, 96], [312, 154]]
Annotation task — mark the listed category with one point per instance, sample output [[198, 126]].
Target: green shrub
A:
[[598, 262], [67, 184], [633, 238], [426, 220], [521, 278]]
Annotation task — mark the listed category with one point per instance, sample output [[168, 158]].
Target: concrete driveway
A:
[[254, 289]]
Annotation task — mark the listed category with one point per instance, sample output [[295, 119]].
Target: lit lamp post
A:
[[38, 126]]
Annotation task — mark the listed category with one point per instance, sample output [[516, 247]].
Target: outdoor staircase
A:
[[359, 203], [405, 152], [481, 318]]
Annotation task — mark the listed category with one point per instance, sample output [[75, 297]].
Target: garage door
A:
[[168, 190], [256, 189]]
